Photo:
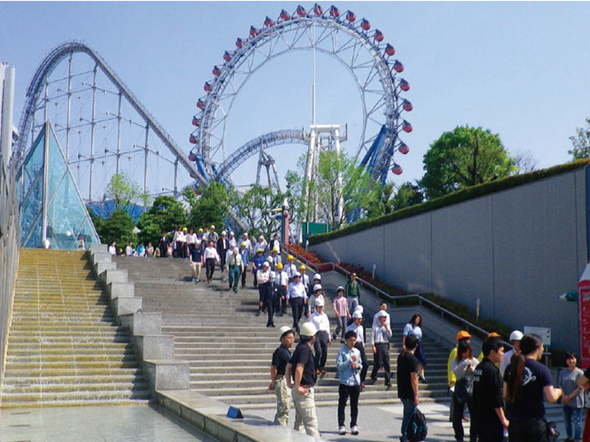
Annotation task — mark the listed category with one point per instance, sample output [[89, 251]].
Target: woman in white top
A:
[[463, 367], [414, 328], [322, 337]]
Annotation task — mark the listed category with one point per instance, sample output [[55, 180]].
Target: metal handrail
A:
[[421, 300]]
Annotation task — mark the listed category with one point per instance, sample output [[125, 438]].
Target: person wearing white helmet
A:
[[211, 257], [301, 376], [247, 243], [317, 280], [515, 338], [234, 268], [261, 244], [296, 297], [265, 293], [380, 336], [357, 327], [213, 236], [278, 382], [342, 314], [323, 338], [232, 240], [317, 293], [382, 308]]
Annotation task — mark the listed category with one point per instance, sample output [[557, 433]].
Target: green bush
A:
[[448, 200]]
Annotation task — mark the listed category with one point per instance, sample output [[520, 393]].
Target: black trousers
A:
[[264, 292], [222, 259], [382, 359], [297, 309], [457, 419], [268, 305], [244, 277], [489, 431], [210, 267], [344, 392], [321, 349], [280, 304], [527, 430], [360, 347]]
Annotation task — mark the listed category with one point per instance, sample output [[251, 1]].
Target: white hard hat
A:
[[273, 275], [357, 315], [516, 335], [317, 287], [319, 302], [284, 329], [236, 250], [339, 288], [297, 274], [223, 233], [269, 259], [231, 233], [381, 314], [317, 276], [359, 308], [265, 264], [308, 329]]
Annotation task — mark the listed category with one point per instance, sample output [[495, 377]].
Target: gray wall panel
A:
[[462, 254], [366, 248], [517, 250], [407, 254]]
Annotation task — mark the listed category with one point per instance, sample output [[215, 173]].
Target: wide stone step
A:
[[72, 398], [91, 379], [45, 372], [73, 387], [73, 365], [51, 358], [68, 338], [88, 351]]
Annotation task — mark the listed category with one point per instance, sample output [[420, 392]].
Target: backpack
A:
[[417, 428]]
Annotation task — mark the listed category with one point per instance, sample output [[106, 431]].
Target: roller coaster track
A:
[[47, 66]]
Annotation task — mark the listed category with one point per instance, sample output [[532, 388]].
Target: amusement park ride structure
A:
[[104, 129]]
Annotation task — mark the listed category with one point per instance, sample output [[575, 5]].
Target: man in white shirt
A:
[[382, 308], [264, 288], [281, 285], [380, 335], [323, 337], [113, 248], [290, 268], [357, 327], [296, 297]]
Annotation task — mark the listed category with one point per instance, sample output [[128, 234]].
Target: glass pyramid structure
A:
[[53, 213]]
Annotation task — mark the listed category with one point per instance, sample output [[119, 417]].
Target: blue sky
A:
[[521, 69]]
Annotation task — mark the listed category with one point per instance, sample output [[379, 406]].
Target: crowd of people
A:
[[503, 391]]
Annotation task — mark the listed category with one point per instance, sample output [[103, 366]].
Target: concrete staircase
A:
[[63, 347], [230, 349]]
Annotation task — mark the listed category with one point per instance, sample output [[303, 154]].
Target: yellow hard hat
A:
[[302, 267], [279, 266], [290, 258]]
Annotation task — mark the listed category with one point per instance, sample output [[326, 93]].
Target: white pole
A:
[[313, 77], [6, 113]]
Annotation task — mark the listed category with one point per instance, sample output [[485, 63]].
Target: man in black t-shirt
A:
[[301, 376], [278, 382], [407, 382], [488, 404]]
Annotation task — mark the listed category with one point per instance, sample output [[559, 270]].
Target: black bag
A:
[[417, 428], [464, 390]]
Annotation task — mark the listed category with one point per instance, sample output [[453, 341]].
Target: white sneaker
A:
[[341, 430], [354, 430]]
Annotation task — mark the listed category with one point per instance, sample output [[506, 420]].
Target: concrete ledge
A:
[[154, 347], [115, 275], [209, 415], [98, 248], [101, 267], [120, 289], [143, 323], [100, 257], [167, 374], [126, 306]]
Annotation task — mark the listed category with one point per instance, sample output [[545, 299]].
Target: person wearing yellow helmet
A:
[[275, 259], [245, 253], [281, 284], [290, 268]]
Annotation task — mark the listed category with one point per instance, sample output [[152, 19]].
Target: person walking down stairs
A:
[[234, 268]]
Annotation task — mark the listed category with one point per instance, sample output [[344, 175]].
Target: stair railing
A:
[[468, 326]]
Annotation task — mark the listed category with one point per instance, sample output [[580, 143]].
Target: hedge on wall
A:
[[453, 198]]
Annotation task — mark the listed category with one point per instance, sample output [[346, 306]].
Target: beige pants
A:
[[196, 270], [283, 402], [305, 415]]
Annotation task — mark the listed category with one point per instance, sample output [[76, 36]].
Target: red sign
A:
[[584, 308]]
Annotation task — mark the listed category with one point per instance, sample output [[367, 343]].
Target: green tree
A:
[[123, 191], [407, 195], [581, 142], [212, 206], [165, 215], [463, 158], [256, 206], [119, 228]]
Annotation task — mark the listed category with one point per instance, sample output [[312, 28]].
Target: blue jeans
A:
[[573, 422], [409, 409]]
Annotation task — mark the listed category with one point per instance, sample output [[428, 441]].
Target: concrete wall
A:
[[517, 250], [9, 248]]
